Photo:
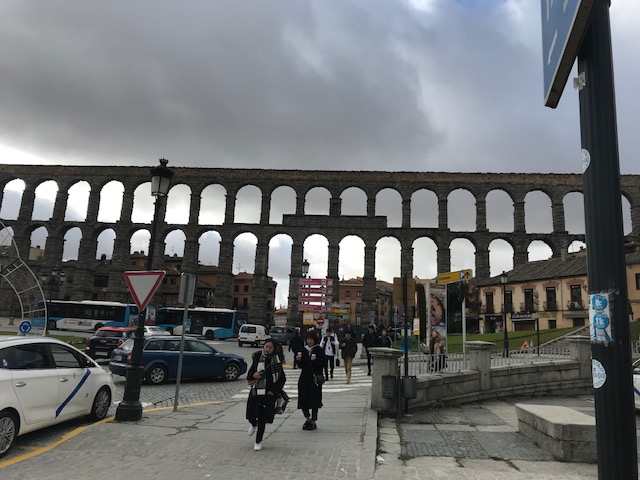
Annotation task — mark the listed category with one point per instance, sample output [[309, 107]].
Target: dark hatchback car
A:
[[105, 340], [282, 333], [160, 360]]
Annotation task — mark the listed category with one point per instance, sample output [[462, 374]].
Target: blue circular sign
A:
[[25, 326], [600, 321], [599, 302]]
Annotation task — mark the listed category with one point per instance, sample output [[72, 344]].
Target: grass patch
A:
[[516, 339]]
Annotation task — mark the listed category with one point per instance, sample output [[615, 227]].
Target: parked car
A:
[[636, 384], [154, 330], [282, 333], [253, 334], [44, 381], [102, 343], [160, 360]]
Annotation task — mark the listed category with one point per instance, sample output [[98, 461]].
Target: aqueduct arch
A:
[[298, 226]]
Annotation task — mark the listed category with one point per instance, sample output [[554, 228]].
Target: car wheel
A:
[[209, 335], [157, 375], [101, 405], [170, 330], [52, 325], [231, 372], [239, 344], [8, 431]]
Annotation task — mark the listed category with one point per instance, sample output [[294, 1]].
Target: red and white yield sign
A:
[[143, 284]]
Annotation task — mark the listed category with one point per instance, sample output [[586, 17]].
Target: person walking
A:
[[384, 340], [296, 345], [349, 348], [311, 360], [369, 340], [330, 346], [266, 378]]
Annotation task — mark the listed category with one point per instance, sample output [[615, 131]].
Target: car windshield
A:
[[158, 330], [277, 329], [128, 345], [108, 333]]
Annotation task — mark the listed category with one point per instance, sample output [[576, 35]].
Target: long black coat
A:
[[310, 394], [264, 404]]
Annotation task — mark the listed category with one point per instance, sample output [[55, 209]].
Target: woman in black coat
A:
[[266, 378], [311, 360]]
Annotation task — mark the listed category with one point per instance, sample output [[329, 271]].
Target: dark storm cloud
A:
[[286, 84]]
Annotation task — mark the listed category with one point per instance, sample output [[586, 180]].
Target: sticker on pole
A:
[[143, 284], [599, 373], [600, 318]]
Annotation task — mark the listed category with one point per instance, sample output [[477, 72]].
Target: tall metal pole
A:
[[405, 302], [615, 417], [130, 409]]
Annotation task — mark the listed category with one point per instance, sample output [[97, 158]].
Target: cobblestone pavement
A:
[[476, 441]]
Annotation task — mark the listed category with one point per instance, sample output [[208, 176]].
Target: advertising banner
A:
[[437, 315]]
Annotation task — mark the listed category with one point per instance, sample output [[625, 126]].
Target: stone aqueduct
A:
[[299, 226]]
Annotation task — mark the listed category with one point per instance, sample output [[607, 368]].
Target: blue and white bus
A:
[[87, 315], [213, 323]]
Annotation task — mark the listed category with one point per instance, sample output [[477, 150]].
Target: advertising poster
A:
[[437, 314]]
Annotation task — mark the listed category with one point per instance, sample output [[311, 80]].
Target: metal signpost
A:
[[460, 276], [608, 297], [187, 291]]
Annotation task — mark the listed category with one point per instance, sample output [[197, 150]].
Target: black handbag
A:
[[281, 403], [318, 380], [337, 362]]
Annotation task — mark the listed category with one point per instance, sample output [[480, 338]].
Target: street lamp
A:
[[130, 409], [505, 341], [305, 268], [55, 278]]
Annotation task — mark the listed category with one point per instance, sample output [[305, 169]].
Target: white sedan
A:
[[44, 381]]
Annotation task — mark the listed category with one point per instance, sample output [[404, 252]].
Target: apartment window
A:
[[552, 324], [578, 322], [358, 308], [245, 302], [270, 291], [359, 294], [528, 300], [575, 302], [101, 281], [268, 304], [551, 299], [348, 306], [246, 288], [637, 281], [172, 281], [508, 301], [358, 320], [489, 302], [235, 303], [347, 293], [236, 288]]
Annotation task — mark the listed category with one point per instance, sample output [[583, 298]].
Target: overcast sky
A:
[[422, 85]]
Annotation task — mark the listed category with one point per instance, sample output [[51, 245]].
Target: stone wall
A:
[[369, 227]]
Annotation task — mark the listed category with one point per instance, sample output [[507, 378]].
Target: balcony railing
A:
[[575, 305]]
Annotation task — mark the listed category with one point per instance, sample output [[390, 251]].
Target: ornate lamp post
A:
[[55, 278], [505, 341], [130, 409], [305, 268]]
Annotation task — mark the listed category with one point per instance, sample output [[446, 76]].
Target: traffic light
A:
[[536, 301]]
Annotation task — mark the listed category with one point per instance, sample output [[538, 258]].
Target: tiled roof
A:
[[575, 265]]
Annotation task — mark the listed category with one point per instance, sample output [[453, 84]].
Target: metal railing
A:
[[422, 364]]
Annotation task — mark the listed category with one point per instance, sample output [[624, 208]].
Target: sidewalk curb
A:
[[369, 443]]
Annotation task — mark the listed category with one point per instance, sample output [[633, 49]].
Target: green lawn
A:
[[516, 339]]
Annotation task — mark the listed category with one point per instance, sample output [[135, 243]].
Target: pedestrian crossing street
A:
[[338, 384]]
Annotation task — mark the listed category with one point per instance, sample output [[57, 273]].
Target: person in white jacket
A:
[[330, 345]]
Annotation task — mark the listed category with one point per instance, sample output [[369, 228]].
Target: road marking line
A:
[[67, 436]]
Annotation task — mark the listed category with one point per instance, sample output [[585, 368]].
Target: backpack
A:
[[323, 344]]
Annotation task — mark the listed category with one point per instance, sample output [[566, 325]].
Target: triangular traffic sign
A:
[[143, 284]]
